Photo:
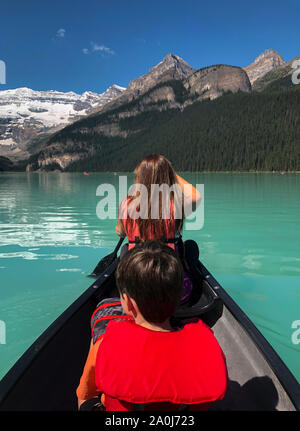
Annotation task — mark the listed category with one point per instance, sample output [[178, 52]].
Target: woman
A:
[[169, 208]]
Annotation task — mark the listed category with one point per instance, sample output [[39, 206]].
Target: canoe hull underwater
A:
[[45, 378]]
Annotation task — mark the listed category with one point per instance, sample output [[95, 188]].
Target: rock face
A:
[[26, 114], [211, 82], [266, 61], [171, 67]]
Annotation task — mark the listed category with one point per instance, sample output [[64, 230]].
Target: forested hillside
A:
[[5, 164], [244, 132]]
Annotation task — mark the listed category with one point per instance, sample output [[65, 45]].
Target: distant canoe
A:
[[86, 173]]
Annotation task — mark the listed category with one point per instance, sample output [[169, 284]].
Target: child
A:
[[144, 362]]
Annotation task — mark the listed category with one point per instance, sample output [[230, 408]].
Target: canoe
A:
[[47, 374]]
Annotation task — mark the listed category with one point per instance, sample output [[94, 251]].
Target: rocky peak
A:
[[173, 61], [270, 53], [171, 67], [266, 61]]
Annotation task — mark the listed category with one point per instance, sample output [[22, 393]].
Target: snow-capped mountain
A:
[[27, 114]]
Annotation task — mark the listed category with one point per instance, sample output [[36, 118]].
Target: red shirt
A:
[[138, 365]]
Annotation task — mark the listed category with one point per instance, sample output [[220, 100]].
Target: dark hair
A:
[[151, 273]]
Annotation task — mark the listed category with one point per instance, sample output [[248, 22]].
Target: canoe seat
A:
[[203, 302], [208, 306]]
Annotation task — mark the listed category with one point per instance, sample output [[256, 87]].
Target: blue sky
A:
[[71, 45]]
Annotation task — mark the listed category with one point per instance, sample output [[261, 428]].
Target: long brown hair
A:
[[155, 169]]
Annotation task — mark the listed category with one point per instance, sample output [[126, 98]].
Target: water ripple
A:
[[27, 255]]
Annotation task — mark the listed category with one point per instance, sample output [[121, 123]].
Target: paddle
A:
[[106, 261]]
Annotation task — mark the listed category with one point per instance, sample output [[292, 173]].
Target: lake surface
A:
[[51, 239]]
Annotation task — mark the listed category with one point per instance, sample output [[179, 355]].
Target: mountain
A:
[[170, 68], [208, 119], [213, 81], [170, 86], [27, 115], [266, 61], [279, 78], [243, 131]]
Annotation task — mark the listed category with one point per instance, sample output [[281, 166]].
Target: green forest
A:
[[5, 164]]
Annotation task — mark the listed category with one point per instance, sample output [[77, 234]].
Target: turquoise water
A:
[[51, 238]]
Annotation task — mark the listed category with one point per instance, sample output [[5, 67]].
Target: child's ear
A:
[[130, 304]]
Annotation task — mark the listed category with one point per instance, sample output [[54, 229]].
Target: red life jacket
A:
[[133, 233], [138, 366]]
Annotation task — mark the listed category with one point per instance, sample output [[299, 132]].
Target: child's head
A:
[[151, 274]]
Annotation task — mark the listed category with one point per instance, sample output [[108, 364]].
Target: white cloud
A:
[[61, 32], [102, 48], [95, 47]]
